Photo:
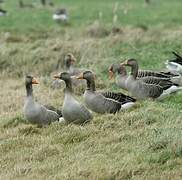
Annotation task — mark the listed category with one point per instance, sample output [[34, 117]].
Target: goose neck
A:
[[91, 84], [29, 90], [68, 65], [69, 86], [134, 70]]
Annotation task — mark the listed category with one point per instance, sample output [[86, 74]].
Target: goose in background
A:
[[121, 75], [151, 87], [25, 5], [44, 2], [103, 102], [60, 15], [72, 110], [35, 112], [69, 61], [175, 65]]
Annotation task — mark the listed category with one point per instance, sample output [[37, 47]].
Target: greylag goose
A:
[[69, 60], [148, 87], [35, 112], [175, 65], [103, 102], [60, 15], [73, 71], [121, 75], [72, 110]]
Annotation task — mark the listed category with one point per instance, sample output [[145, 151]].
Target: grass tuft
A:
[[14, 121]]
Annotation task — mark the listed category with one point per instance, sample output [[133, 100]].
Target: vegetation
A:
[[142, 143]]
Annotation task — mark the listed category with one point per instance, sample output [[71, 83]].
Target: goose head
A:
[[29, 80], [63, 76], [116, 68], [130, 62], [69, 60], [87, 75], [134, 66]]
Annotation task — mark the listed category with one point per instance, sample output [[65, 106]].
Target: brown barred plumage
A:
[[145, 73], [120, 97], [148, 86]]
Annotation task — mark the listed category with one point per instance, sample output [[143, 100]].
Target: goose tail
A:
[[166, 93], [177, 80], [127, 105]]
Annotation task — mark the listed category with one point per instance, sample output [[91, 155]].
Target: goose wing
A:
[[170, 74], [48, 115], [151, 88], [105, 103], [146, 73], [79, 113], [52, 108], [119, 97], [165, 83], [85, 112]]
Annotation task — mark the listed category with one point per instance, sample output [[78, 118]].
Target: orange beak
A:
[[56, 76], [111, 74], [124, 63], [34, 81], [80, 76]]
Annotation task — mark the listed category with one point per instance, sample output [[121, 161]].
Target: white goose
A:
[[60, 15]]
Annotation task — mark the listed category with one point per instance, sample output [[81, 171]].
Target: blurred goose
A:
[[103, 102], [69, 60], [175, 65], [25, 5], [151, 87], [35, 112], [60, 15], [72, 110], [73, 71], [121, 75], [3, 12], [43, 2]]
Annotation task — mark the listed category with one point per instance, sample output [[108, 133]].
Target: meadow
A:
[[142, 143]]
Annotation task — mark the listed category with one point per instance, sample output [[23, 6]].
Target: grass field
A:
[[142, 143]]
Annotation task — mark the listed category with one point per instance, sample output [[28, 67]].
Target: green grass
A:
[[142, 143]]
